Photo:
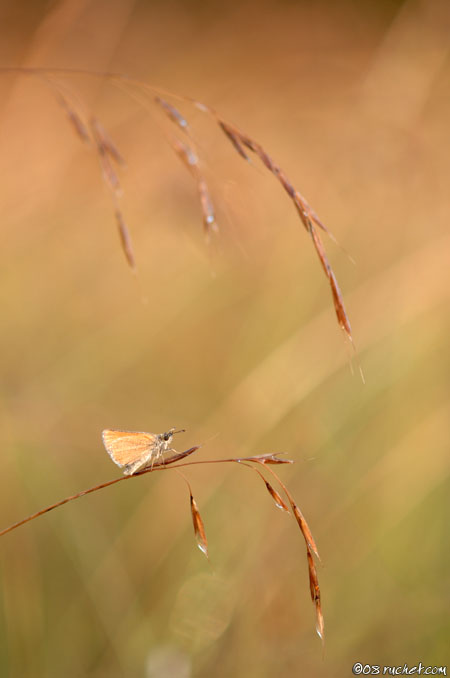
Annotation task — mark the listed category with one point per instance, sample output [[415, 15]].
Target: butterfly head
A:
[[168, 435]]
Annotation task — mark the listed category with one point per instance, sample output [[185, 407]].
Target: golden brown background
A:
[[237, 342]]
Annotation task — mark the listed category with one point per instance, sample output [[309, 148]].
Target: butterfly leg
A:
[[159, 456]]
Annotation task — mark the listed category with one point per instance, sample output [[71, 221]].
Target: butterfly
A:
[[135, 451]]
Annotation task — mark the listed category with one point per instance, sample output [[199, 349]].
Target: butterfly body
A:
[[135, 451]]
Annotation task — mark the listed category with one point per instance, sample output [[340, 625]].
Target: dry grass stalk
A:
[[175, 462], [101, 486]]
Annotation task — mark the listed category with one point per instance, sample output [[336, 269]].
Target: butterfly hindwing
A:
[[128, 447]]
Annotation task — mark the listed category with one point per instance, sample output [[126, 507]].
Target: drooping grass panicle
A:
[[89, 130], [311, 549], [308, 217], [240, 141]]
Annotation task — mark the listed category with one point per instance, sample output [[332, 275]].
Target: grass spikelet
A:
[[304, 527], [279, 502], [78, 125], [172, 113], [315, 595], [186, 155], [270, 458], [209, 217], [125, 239], [340, 308], [62, 96], [234, 139], [338, 301], [107, 144], [313, 581], [199, 528], [105, 153], [189, 159]]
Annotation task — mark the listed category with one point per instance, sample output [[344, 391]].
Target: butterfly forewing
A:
[[127, 447]]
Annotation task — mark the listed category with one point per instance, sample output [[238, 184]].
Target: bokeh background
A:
[[236, 341]]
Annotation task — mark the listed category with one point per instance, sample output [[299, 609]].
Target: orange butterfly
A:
[[134, 451]]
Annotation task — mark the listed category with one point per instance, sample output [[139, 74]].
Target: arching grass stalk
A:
[[173, 463]]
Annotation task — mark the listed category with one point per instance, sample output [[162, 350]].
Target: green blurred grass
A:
[[238, 342]]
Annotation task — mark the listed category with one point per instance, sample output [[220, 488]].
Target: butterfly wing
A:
[[128, 447]]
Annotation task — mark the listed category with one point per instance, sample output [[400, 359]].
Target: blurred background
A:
[[236, 341]]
